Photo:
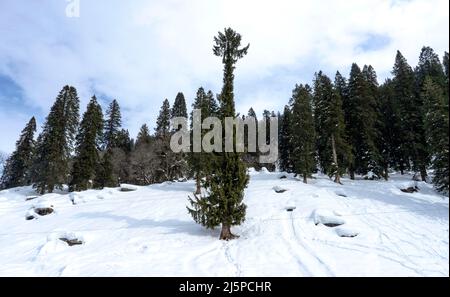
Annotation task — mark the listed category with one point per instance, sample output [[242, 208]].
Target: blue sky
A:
[[141, 52]]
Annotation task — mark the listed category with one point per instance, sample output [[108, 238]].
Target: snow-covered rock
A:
[[128, 188], [280, 189], [327, 218], [346, 232]]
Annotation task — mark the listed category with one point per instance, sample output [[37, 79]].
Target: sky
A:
[[141, 52]]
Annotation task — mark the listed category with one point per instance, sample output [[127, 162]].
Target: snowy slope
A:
[[148, 232]]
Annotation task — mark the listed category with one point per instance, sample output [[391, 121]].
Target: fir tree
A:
[[285, 146], [334, 152], [407, 111], [251, 158], [163, 121], [54, 144], [303, 133], [437, 128], [361, 116], [179, 165], [179, 107], [143, 136], [104, 176], [226, 188], [88, 143], [112, 125], [166, 158], [266, 116], [16, 171], [429, 66], [201, 163]]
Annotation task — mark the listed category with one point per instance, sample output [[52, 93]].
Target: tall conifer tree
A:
[[303, 132], [226, 188], [16, 171], [54, 144], [87, 149]]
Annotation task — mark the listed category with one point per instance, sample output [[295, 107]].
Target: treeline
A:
[[96, 152], [351, 126], [357, 126]]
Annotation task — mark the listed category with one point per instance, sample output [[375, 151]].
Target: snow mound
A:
[[264, 170], [30, 215], [327, 218], [252, 171], [279, 189], [128, 188], [346, 232]]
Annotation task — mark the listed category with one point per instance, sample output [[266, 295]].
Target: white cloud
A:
[[141, 52]]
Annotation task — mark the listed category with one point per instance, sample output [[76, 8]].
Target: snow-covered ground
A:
[[148, 232]]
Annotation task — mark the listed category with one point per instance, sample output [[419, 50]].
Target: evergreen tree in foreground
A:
[[437, 129], [54, 144], [303, 133], [87, 146], [224, 203], [16, 171]]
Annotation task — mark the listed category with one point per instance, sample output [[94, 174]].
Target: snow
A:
[[346, 232], [148, 232], [327, 217]]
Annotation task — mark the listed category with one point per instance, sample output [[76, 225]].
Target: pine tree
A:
[[121, 156], [334, 153], [16, 171], [165, 155], [445, 64], [436, 125], [361, 116], [104, 176], [285, 146], [54, 144], [163, 121], [303, 133], [429, 66], [179, 107], [143, 136], [226, 188], [388, 141], [112, 125], [124, 141], [251, 158], [201, 163], [375, 162], [407, 111], [88, 143], [179, 163]]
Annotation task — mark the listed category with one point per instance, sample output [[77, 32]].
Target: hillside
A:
[[148, 232]]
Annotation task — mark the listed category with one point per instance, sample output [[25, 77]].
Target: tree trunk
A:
[[198, 190], [226, 234], [337, 177], [386, 173], [305, 179], [423, 173], [402, 168]]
